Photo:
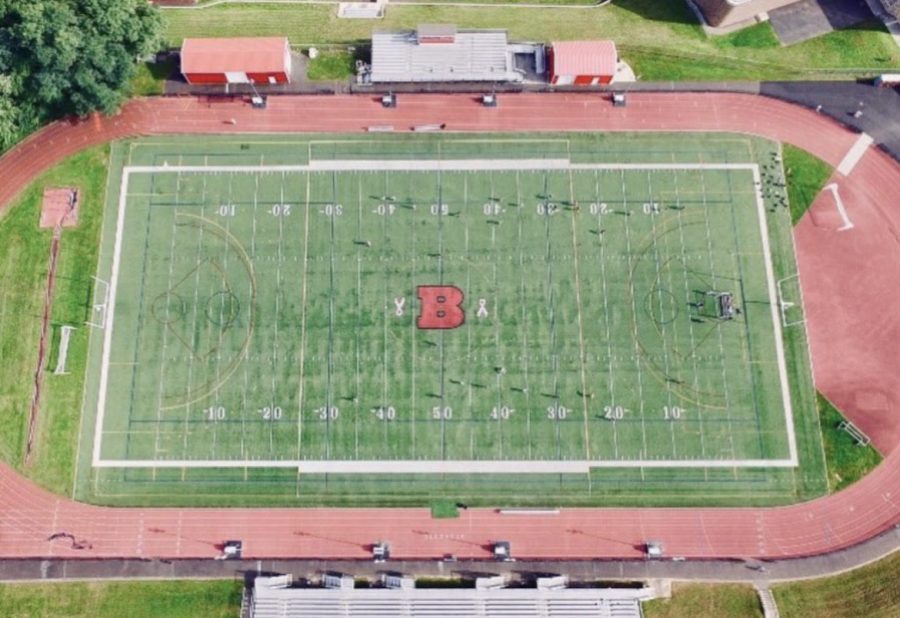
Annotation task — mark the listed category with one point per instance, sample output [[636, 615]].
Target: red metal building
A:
[[582, 63], [236, 61]]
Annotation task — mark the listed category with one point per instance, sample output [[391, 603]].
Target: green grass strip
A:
[[150, 78], [691, 600], [24, 251], [444, 509], [133, 599], [331, 65], [847, 461], [871, 591], [806, 175]]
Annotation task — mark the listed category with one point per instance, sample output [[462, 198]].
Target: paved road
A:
[[880, 106]]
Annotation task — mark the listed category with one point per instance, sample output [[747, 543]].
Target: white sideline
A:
[[855, 153], [775, 305], [111, 314], [412, 466], [407, 466], [450, 165], [848, 224]]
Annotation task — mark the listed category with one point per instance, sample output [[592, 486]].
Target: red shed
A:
[[582, 63], [236, 61]]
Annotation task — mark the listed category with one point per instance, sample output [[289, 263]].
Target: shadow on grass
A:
[[671, 11]]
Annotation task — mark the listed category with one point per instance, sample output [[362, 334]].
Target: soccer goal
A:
[[98, 317], [789, 301]]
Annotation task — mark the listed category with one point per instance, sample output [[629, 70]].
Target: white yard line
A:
[[190, 372], [520, 208], [665, 349], [385, 298], [246, 388], [551, 312], [722, 355], [225, 252], [441, 349], [578, 305], [497, 303], [358, 383], [687, 293], [329, 375], [412, 326], [470, 408], [634, 312], [278, 283], [165, 336], [606, 320], [303, 319]]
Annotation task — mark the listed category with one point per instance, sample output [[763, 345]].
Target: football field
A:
[[443, 305]]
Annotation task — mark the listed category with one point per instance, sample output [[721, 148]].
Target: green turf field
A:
[[599, 309]]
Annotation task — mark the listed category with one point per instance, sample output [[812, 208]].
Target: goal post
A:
[[789, 301], [101, 303]]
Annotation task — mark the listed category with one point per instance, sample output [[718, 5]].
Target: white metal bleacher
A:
[[457, 602], [474, 55]]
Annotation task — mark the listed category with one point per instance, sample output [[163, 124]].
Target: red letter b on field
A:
[[440, 307]]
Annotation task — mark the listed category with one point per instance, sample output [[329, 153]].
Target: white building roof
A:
[[472, 56]]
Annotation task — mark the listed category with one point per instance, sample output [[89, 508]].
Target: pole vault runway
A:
[[848, 279]]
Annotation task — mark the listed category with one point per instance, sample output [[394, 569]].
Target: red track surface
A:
[[848, 281]]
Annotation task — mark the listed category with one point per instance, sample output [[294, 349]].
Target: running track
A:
[[848, 280]]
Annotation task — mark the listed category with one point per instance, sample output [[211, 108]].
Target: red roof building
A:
[[236, 61], [584, 63]]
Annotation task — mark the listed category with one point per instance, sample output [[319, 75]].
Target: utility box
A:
[[654, 549], [381, 552], [502, 551], [232, 550]]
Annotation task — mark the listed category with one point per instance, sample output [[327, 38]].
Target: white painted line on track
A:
[[855, 153], [839, 203]]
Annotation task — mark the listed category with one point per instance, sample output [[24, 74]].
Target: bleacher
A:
[[361, 10], [290, 602], [855, 432], [463, 56]]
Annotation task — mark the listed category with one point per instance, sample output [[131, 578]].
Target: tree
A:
[[74, 56], [9, 122]]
